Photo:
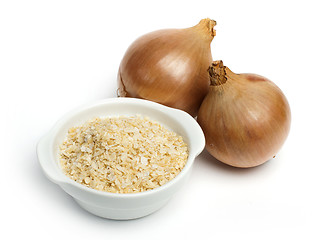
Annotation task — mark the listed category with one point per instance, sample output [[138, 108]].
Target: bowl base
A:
[[121, 214]]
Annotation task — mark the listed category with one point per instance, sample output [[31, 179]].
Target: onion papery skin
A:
[[246, 118], [169, 67]]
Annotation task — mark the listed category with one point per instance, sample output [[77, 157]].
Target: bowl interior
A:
[[170, 118]]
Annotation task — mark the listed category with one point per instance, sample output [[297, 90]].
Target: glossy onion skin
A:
[[169, 67], [246, 120]]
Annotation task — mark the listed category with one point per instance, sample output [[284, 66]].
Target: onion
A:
[[169, 67], [245, 117]]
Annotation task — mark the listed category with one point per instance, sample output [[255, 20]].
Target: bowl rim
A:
[[46, 143]]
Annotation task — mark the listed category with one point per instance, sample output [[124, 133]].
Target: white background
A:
[[57, 55]]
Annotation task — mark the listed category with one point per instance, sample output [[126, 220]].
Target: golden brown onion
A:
[[245, 117], [169, 67]]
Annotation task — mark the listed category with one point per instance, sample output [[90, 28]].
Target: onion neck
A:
[[206, 26], [217, 73]]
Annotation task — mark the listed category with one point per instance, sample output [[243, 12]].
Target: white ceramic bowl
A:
[[117, 205]]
